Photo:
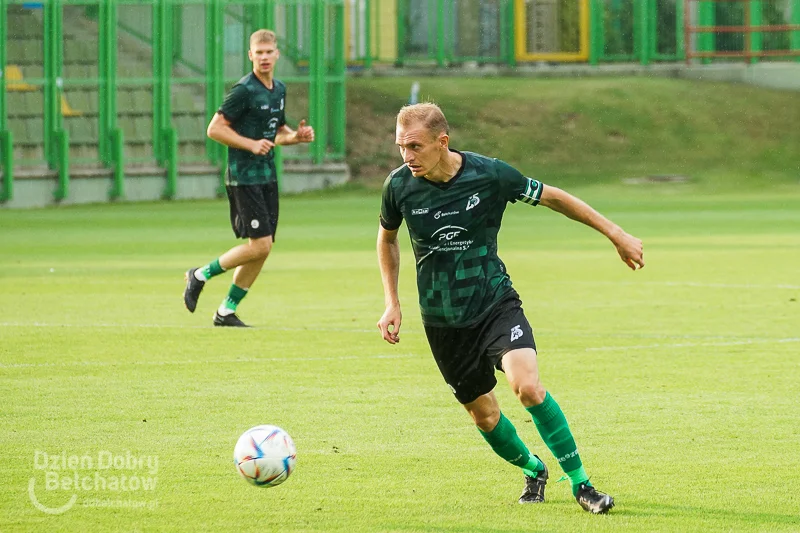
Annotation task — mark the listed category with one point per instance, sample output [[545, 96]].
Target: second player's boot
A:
[[592, 500], [192, 291], [534, 486], [230, 320]]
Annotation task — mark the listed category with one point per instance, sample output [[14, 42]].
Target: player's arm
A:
[[628, 246], [389, 263], [286, 135], [220, 130]]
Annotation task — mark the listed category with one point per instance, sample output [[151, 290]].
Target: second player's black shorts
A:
[[467, 357], [254, 210]]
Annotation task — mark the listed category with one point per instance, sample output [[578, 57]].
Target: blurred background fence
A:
[[119, 88]]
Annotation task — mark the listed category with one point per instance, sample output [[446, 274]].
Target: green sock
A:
[[553, 427], [229, 304], [504, 441], [210, 270]]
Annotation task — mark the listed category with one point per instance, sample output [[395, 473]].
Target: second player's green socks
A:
[[553, 427], [506, 443], [209, 271], [231, 302]]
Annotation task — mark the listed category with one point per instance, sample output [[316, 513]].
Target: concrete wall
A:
[[38, 191], [777, 75]]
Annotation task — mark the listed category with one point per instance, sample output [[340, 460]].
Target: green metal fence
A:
[[636, 30], [455, 31], [117, 87]]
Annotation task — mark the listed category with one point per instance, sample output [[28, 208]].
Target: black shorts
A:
[[467, 357], [254, 210]]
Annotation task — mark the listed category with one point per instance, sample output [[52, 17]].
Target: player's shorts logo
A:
[[516, 333], [254, 224]]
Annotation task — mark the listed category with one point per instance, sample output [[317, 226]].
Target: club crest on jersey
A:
[[473, 201]]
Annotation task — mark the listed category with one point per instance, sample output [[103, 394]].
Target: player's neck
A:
[[266, 79], [447, 168]]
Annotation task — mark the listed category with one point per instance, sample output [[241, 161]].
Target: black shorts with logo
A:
[[254, 209], [467, 357]]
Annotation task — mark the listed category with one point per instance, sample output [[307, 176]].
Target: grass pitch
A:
[[680, 381]]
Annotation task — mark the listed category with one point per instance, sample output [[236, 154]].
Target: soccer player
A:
[[250, 122], [453, 203]]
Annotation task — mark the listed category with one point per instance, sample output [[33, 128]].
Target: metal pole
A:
[[756, 38], [3, 37], [508, 20], [680, 43], [440, 31], [707, 18], [401, 33], [6, 137], [367, 34], [339, 94], [157, 37], [795, 35], [7, 162], [596, 28]]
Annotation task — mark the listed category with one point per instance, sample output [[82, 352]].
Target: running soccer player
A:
[[453, 204], [250, 122]]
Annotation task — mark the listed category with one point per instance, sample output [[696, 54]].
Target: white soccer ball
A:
[[265, 455]]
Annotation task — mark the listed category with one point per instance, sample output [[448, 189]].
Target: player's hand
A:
[[304, 134], [261, 146], [392, 317], [630, 250]]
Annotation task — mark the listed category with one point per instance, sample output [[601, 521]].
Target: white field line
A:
[[683, 284], [742, 342], [206, 361], [167, 326]]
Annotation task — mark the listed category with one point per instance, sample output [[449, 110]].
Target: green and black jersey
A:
[[453, 228], [255, 112]]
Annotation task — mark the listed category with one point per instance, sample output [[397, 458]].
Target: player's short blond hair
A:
[[428, 114], [263, 37]]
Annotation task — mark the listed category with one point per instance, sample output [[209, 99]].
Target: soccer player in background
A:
[[453, 203], [250, 122]]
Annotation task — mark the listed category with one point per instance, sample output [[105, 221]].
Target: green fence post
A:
[[215, 73], [279, 166], [170, 140], [508, 29], [440, 33], [7, 162], [641, 30], [317, 70], [6, 137], [118, 164], [680, 42], [3, 47], [107, 71], [157, 37], [367, 32], [707, 17], [401, 33], [339, 115], [596, 31], [61, 137], [49, 80], [756, 37], [795, 35]]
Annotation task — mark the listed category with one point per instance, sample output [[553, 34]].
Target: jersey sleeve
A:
[[391, 216], [516, 187], [235, 103]]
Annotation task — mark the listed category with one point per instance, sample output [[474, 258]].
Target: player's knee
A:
[[486, 420], [261, 247], [530, 392]]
